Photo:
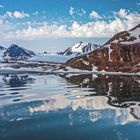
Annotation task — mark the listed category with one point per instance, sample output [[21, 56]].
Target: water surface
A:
[[86, 107]]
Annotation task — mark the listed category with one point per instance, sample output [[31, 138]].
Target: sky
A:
[[54, 25]]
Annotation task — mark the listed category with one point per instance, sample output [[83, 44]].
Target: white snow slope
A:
[[54, 58], [76, 50]]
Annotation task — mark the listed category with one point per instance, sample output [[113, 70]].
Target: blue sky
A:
[[53, 25]]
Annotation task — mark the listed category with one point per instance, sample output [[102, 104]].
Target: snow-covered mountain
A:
[[76, 50], [120, 54], [126, 37], [80, 49], [2, 50], [14, 52]]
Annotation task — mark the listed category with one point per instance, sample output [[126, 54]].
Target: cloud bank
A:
[[101, 27]]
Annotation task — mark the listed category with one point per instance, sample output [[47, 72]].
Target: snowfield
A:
[[77, 49], [54, 58]]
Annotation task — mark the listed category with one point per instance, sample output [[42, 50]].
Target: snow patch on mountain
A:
[[136, 34], [80, 49]]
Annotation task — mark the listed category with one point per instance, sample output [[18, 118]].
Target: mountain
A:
[[2, 50], [61, 57], [80, 49], [14, 52], [120, 54]]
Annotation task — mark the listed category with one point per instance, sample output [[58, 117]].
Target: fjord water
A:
[[85, 107]]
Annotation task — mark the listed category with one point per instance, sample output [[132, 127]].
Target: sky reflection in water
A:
[[75, 107]]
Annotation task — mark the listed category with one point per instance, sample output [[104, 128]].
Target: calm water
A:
[[57, 107]]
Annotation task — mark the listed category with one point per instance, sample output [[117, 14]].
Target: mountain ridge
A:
[[80, 48]]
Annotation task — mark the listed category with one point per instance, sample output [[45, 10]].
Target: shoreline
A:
[[80, 72]]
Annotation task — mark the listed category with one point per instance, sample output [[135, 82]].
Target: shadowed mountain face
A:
[[15, 52], [2, 48], [120, 53]]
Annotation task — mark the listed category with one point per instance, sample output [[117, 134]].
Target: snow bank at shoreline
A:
[[7, 70]]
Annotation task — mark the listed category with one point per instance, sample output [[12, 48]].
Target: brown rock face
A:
[[120, 54]]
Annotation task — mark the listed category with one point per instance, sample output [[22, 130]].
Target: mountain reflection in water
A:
[[99, 106]]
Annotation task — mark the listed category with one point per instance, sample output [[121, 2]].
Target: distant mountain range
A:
[[77, 49], [120, 54], [15, 53], [80, 49]]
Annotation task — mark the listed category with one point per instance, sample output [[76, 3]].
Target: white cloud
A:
[[122, 13], [1, 6], [5, 28], [43, 31], [9, 14], [80, 12], [95, 15], [71, 11], [106, 28], [100, 28], [17, 14]]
